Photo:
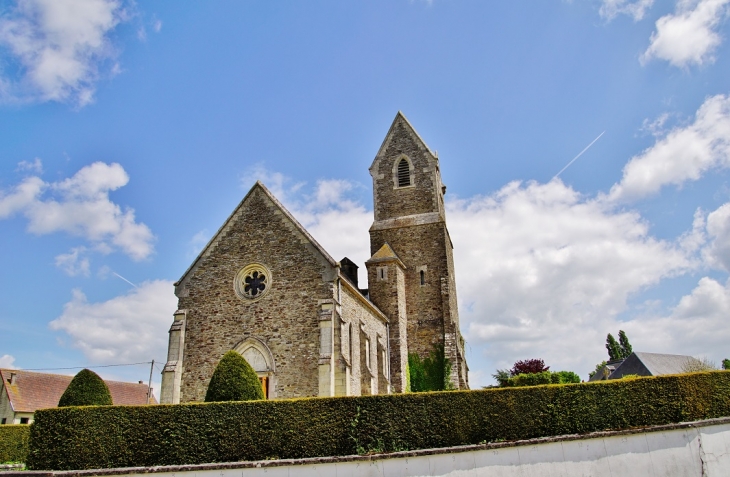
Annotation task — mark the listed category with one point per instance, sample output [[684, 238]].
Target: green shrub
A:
[[532, 379], [568, 377], [536, 379], [86, 389], [234, 380], [14, 442], [416, 374], [129, 436], [432, 373]]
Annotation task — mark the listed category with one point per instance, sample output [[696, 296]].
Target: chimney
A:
[[141, 382], [349, 269], [13, 378]]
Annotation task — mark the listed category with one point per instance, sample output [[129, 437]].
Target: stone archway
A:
[[261, 360]]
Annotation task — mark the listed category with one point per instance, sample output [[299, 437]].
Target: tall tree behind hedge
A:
[[626, 348], [234, 380], [613, 348], [86, 389]]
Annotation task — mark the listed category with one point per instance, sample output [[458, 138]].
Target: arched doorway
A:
[[261, 360]]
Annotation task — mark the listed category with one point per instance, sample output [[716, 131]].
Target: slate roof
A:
[[605, 371], [33, 391], [653, 364]]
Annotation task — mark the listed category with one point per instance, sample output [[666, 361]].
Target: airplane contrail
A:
[[115, 273], [579, 154]]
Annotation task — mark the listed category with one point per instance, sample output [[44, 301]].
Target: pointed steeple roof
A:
[[385, 254], [400, 119], [223, 230]]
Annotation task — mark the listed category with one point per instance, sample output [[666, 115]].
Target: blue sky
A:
[[131, 130]]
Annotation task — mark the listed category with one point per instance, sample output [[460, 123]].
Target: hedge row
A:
[[14, 443], [121, 436]]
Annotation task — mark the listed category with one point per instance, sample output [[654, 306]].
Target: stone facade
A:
[[265, 288], [291, 333]]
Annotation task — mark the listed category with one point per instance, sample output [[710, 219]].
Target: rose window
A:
[[253, 282]]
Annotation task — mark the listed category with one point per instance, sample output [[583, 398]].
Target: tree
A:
[[618, 350], [726, 363], [528, 366], [623, 340], [234, 380], [567, 377], [697, 365], [86, 389], [502, 377], [614, 349]]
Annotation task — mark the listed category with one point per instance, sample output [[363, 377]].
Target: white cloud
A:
[[80, 206], [610, 9], [125, 329], [689, 35], [6, 362], [60, 45], [339, 224], [684, 154], [543, 272], [74, 263], [717, 254], [26, 166], [697, 326]]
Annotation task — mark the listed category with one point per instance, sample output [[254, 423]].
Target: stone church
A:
[[265, 288]]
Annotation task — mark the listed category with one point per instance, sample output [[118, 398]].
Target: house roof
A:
[[213, 243], [33, 391], [656, 364]]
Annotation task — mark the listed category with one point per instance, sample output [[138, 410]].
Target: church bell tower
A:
[[409, 236]]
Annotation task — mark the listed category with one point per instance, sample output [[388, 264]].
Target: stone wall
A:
[[362, 321]]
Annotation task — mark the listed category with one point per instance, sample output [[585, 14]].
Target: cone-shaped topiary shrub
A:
[[86, 389], [234, 380]]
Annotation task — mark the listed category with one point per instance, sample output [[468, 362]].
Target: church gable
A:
[[262, 277], [276, 209]]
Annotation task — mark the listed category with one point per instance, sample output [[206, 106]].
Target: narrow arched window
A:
[[423, 278], [404, 173]]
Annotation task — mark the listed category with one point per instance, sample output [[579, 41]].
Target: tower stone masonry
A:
[[408, 205]]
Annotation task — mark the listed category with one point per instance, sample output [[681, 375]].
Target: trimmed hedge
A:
[[121, 436], [14, 442], [86, 389], [234, 380]]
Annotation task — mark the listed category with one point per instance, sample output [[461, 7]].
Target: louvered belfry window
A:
[[404, 173]]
